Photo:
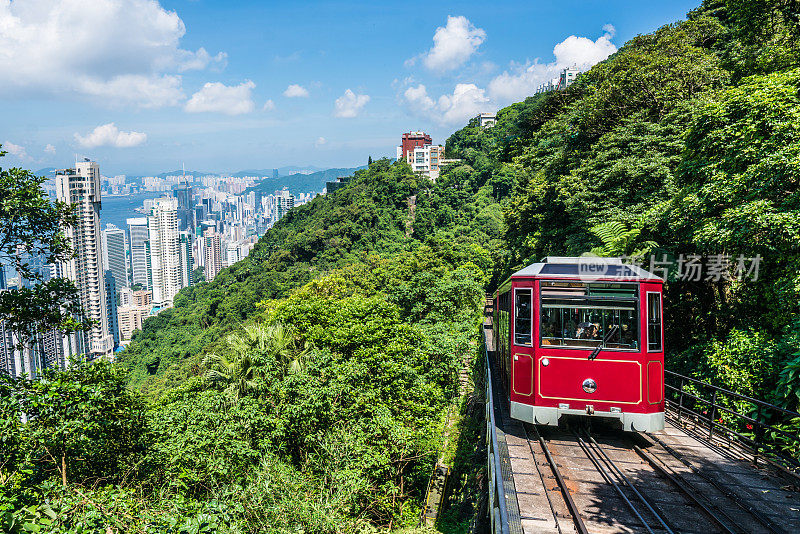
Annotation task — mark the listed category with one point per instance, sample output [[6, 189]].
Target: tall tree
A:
[[31, 228]]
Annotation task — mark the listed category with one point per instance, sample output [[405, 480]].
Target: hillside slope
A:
[[362, 224], [303, 183]]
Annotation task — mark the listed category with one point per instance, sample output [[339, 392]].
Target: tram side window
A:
[[503, 330], [523, 317], [654, 322]]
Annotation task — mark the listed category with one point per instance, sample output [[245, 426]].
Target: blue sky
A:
[[143, 86]]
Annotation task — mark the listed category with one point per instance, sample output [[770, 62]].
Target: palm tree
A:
[[239, 369], [283, 346], [238, 373]]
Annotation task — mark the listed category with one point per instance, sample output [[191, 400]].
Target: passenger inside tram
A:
[[587, 327]]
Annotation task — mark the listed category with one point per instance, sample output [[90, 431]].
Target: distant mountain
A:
[[297, 179], [254, 172], [193, 174], [282, 171], [303, 183], [47, 172]]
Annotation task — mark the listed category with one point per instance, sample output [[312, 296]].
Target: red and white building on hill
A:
[[417, 149]]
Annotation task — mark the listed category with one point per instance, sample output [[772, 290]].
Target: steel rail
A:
[[596, 461], [681, 485], [498, 474], [769, 525], [562, 485], [541, 477], [631, 486]]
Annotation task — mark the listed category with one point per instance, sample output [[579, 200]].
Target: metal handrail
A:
[[734, 394], [756, 442], [732, 412], [496, 486]]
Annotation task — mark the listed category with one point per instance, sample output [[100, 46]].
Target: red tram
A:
[[582, 336]]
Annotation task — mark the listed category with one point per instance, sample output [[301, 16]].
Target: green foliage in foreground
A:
[[329, 426], [302, 389]]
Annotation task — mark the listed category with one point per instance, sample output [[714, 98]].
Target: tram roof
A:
[[585, 267]]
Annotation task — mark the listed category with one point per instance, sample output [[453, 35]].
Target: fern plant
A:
[[618, 240]]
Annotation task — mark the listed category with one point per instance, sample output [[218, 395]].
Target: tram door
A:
[[522, 379]]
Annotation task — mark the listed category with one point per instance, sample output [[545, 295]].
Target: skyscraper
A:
[[139, 236], [284, 201], [165, 255], [212, 249], [80, 188], [187, 262], [111, 306], [114, 257], [185, 194], [10, 361], [18, 358]]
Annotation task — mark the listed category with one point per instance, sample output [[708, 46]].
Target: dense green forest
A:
[[689, 140], [305, 388]]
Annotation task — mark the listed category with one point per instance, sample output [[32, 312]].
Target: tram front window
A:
[[586, 327], [578, 315]]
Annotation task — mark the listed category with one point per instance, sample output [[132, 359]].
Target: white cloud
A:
[[418, 99], [522, 80], [50, 149], [295, 91], [349, 104], [453, 45], [218, 97], [584, 52], [110, 135], [466, 101], [269, 105], [320, 141], [201, 59], [15, 150], [117, 51], [135, 89], [294, 56]]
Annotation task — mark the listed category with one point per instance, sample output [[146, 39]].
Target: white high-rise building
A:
[[165, 252], [212, 252], [284, 201], [232, 253], [568, 76], [80, 188], [140, 256], [114, 255]]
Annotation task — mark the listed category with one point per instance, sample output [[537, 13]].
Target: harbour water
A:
[[116, 209]]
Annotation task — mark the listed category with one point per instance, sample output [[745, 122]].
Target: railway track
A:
[[598, 482]]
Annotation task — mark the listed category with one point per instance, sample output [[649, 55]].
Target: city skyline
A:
[[223, 88]]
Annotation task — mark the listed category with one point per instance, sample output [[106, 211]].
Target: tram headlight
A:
[[589, 385], [545, 362]]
